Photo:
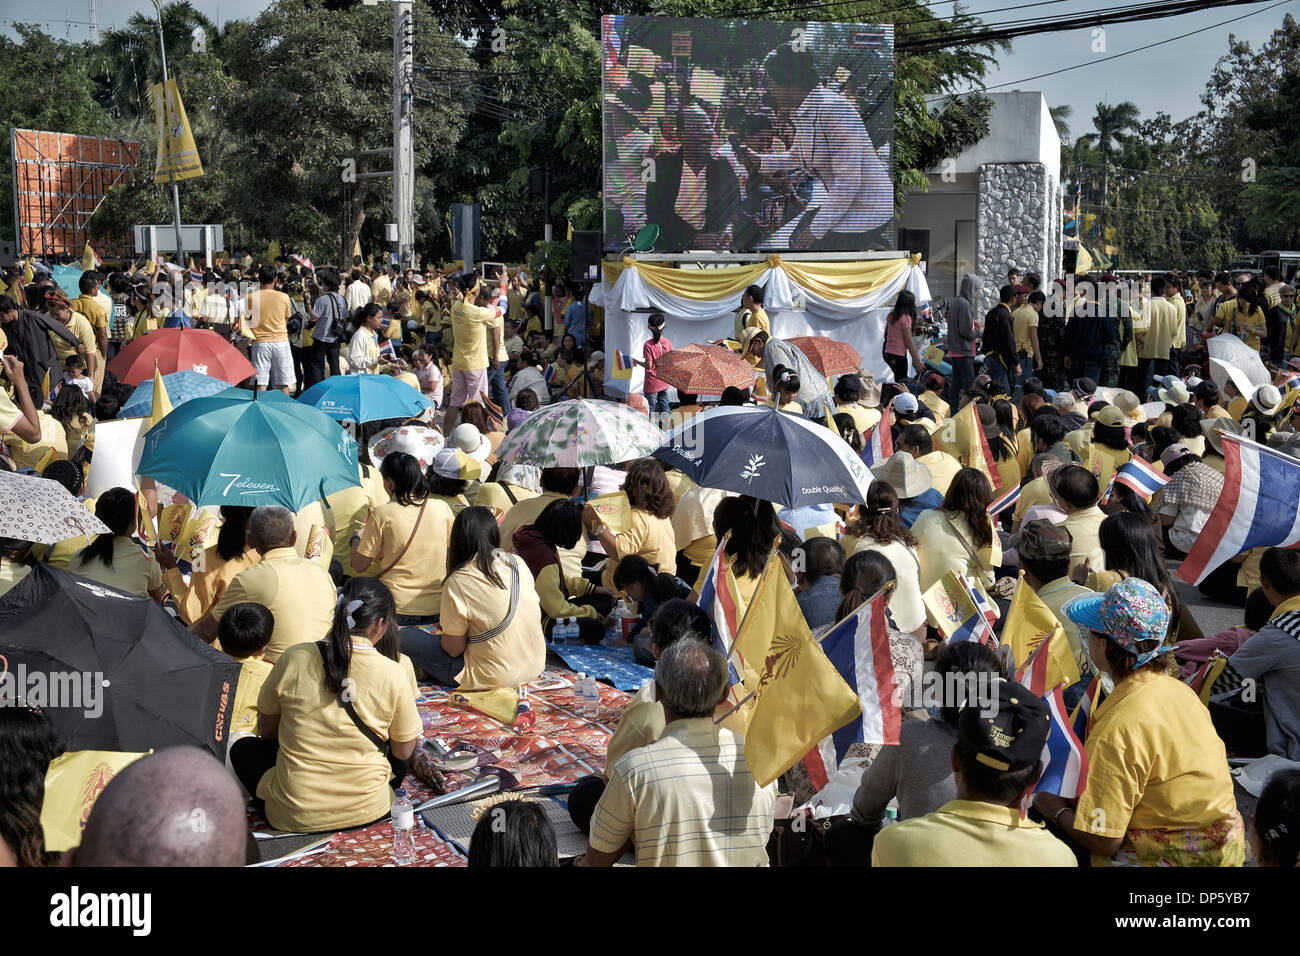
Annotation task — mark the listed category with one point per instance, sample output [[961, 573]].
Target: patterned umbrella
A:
[[200, 350], [578, 433], [704, 370], [38, 509], [181, 387], [830, 357]]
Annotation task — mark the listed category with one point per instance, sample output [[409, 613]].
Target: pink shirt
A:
[[894, 342], [653, 351]]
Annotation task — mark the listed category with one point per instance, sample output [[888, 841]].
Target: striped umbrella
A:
[[829, 357], [704, 370]]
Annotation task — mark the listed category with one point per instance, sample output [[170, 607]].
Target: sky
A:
[[1170, 77]]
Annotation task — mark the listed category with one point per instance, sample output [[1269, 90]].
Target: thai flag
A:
[[388, 350], [877, 444], [1081, 719], [622, 364], [999, 505], [718, 599], [982, 604], [1141, 477], [549, 374], [1065, 764], [1034, 674], [858, 646], [926, 312], [1257, 508]]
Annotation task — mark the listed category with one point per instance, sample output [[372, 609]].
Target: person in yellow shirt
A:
[[1156, 341], [337, 721], [475, 345], [916, 441], [1024, 325], [785, 385], [211, 569], [848, 401], [51, 442], [995, 760], [560, 526], [89, 305], [932, 389], [116, 559], [1158, 792], [270, 310], [650, 528], [1252, 326], [752, 314], [62, 312], [243, 634]]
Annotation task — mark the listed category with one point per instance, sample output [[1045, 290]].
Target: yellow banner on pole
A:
[[178, 157]]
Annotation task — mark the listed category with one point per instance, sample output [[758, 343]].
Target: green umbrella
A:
[[252, 449], [578, 433]]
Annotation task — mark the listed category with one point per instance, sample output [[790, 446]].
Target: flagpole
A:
[[166, 138], [748, 697]]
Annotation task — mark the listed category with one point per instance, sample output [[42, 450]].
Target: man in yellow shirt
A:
[[244, 633], [1075, 491], [848, 397], [752, 314], [916, 441], [89, 305], [297, 592], [557, 484], [76, 323], [1156, 341], [1024, 324], [381, 287], [270, 310], [997, 757], [471, 325]]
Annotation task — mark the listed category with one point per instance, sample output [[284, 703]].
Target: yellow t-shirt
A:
[[10, 414], [11, 572], [299, 594], [347, 510], [864, 419], [496, 322], [416, 579], [469, 324], [30, 454], [641, 723], [471, 605], [943, 468], [1022, 320], [270, 310], [650, 537], [94, 311], [1032, 494], [970, 833], [133, 571], [253, 672], [209, 580], [1154, 760], [1162, 318], [328, 774], [942, 410], [526, 512], [79, 326]]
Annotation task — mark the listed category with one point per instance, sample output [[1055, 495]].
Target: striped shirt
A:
[[688, 799]]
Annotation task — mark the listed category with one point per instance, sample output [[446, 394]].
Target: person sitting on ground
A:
[[299, 593], [881, 529], [960, 536], [1158, 792], [28, 742], [917, 771], [1272, 656], [933, 387], [1277, 821], [642, 722], [325, 710], [145, 815], [559, 526], [212, 569], [556, 484], [688, 798], [819, 581], [848, 401], [244, 632], [753, 527], [1188, 500], [513, 834], [491, 616], [13, 562], [649, 531], [648, 588], [915, 440], [997, 757], [116, 558], [1075, 491], [1044, 550]]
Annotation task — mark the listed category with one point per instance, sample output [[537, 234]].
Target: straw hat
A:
[[1266, 399], [471, 441], [1213, 429], [869, 390], [907, 476], [421, 443]]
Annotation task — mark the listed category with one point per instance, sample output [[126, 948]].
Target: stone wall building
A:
[[996, 205]]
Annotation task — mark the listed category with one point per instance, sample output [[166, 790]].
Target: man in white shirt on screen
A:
[[830, 144]]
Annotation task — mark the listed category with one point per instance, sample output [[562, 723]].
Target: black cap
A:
[[1012, 738]]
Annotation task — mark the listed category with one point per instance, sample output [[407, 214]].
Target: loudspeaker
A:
[[586, 255], [7, 256], [915, 240]]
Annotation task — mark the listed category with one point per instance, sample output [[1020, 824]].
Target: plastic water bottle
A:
[[891, 816], [590, 698], [620, 612], [403, 829], [575, 632]]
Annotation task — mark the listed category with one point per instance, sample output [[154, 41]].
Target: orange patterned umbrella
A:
[[704, 370], [829, 357]]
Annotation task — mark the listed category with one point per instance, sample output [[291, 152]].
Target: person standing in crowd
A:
[[999, 342], [471, 320], [1158, 791], [1155, 342], [1025, 327], [331, 312], [655, 388], [752, 314], [1088, 336], [898, 343], [358, 293], [269, 309]]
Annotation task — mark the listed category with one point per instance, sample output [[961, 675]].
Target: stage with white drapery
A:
[[845, 301]]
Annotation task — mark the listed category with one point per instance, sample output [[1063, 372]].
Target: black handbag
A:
[[399, 766]]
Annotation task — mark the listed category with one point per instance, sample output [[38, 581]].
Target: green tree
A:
[[1112, 124]]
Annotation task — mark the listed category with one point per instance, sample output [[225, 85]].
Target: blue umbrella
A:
[[181, 387], [771, 455], [365, 398], [250, 448]]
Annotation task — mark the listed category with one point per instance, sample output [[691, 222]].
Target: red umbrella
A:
[[704, 370], [829, 357], [175, 350]]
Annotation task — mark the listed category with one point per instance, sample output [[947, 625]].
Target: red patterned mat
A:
[[373, 846]]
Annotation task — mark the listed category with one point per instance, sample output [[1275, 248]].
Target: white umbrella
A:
[[42, 510], [1232, 352]]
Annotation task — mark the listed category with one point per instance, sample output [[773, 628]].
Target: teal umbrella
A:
[[252, 449], [181, 386], [364, 398]]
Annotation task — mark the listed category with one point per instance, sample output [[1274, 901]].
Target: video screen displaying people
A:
[[746, 136]]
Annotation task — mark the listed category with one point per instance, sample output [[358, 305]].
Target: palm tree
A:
[[128, 62], [1112, 124], [1060, 116]]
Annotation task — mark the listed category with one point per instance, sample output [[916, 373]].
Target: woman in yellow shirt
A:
[[314, 769], [1158, 791], [960, 535], [752, 531], [213, 568], [650, 528], [1249, 318], [115, 558]]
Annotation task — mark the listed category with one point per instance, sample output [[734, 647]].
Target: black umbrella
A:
[[112, 670]]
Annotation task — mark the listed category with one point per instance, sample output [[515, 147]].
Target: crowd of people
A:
[[446, 564]]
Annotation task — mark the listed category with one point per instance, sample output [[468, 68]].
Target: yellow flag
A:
[[1029, 623], [356, 247], [614, 510], [171, 522], [45, 385], [88, 259], [73, 783], [318, 542], [569, 237], [273, 251], [178, 157], [799, 697], [962, 436], [147, 530], [192, 268], [3, 288], [151, 266], [162, 405], [501, 704], [29, 274]]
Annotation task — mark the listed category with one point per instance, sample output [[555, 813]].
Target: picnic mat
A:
[[456, 824], [614, 664], [373, 846]]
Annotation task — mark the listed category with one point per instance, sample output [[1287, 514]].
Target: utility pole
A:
[[176, 192], [403, 123]]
